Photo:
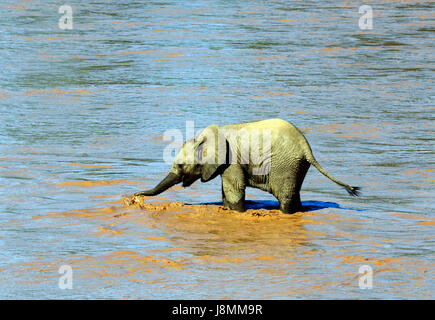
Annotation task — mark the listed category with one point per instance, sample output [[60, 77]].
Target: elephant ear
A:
[[210, 151]]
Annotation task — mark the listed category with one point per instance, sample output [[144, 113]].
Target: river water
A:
[[83, 112]]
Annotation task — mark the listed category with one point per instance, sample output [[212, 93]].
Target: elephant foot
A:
[[290, 206], [238, 206]]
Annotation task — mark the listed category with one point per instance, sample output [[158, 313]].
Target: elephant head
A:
[[199, 158]]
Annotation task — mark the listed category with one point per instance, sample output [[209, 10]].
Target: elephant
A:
[[278, 166]]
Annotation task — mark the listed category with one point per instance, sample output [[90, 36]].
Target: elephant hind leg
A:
[[289, 194], [290, 204]]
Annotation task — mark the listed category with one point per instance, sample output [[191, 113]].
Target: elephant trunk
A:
[[170, 180]]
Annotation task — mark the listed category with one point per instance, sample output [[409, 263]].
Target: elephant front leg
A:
[[233, 189], [225, 202]]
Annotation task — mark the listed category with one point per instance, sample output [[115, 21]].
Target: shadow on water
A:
[[309, 205]]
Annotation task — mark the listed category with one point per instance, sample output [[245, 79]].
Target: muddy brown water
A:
[[83, 113]]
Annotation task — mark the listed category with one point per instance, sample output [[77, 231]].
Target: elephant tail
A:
[[353, 191]]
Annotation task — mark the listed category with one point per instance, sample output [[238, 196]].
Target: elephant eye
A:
[[180, 166]]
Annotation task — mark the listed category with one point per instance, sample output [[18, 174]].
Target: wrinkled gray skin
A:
[[284, 167]]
